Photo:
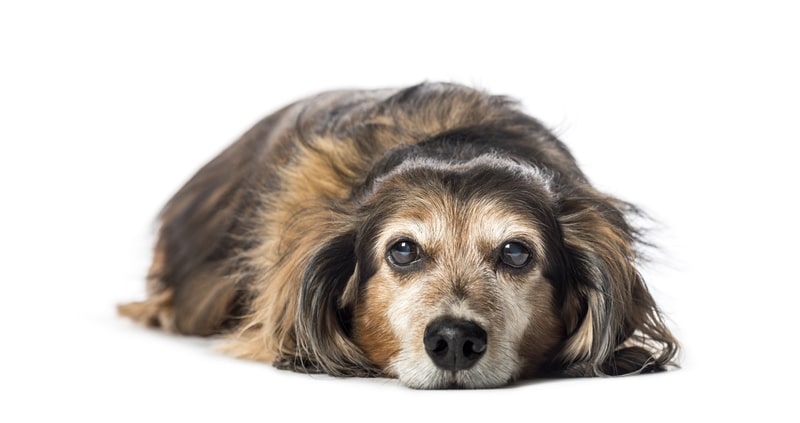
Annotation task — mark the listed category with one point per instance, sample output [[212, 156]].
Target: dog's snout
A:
[[454, 344]]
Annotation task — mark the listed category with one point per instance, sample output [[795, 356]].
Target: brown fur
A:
[[280, 243]]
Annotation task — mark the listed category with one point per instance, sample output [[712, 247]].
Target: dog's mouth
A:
[[477, 378], [461, 384]]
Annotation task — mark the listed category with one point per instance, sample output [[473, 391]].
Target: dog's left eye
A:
[[515, 254], [403, 253]]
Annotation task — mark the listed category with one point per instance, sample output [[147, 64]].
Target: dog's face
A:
[[453, 263]]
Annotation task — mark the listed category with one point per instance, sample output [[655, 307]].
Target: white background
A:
[[689, 109]]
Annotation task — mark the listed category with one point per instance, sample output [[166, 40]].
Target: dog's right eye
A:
[[515, 255], [403, 253]]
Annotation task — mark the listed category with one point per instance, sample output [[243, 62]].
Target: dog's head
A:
[[472, 273], [455, 272]]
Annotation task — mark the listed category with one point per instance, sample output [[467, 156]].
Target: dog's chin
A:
[[461, 379], [427, 376]]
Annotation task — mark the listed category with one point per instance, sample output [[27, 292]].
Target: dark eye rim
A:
[[528, 261], [390, 258]]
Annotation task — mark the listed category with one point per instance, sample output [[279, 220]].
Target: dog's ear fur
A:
[[322, 324], [615, 326]]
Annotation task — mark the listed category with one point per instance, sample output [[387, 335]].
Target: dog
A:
[[435, 234]]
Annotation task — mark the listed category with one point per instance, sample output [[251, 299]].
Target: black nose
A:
[[454, 344]]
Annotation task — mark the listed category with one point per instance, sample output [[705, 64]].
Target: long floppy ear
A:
[[323, 318], [616, 326]]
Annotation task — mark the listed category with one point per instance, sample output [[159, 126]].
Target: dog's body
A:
[[435, 234]]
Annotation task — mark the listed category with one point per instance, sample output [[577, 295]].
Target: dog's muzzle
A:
[[454, 344]]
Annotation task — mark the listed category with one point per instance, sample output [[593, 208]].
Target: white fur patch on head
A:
[[534, 174]]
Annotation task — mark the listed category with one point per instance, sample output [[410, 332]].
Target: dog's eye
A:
[[403, 253], [515, 254]]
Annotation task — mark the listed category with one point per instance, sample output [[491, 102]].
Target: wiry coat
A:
[[276, 243]]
